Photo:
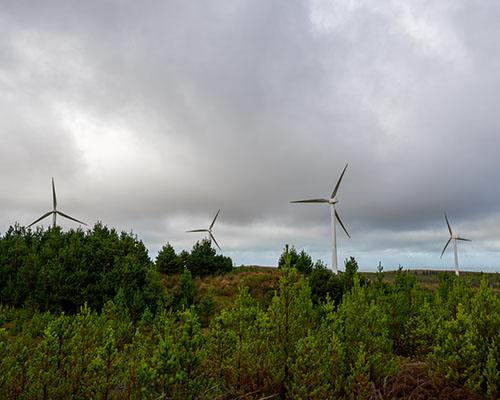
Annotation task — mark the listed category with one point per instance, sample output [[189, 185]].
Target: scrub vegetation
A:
[[87, 315]]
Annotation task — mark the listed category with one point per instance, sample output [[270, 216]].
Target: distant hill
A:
[[262, 281]]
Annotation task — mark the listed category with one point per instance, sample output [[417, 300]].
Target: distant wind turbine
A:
[[209, 231], [454, 238], [335, 217], [54, 211]]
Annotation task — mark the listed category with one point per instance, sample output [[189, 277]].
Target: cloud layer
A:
[[151, 116]]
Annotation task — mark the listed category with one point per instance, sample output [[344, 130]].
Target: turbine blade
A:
[[213, 222], [467, 240], [54, 199], [198, 230], [448, 223], [71, 218], [341, 224], [42, 217], [334, 193], [310, 201], [215, 241], [445, 246]]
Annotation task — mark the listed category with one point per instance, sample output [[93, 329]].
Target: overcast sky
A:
[[152, 115]]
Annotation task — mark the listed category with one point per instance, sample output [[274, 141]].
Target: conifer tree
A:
[[362, 326], [167, 261], [290, 315], [456, 352]]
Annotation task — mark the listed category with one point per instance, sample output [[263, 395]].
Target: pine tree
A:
[[362, 326], [237, 345], [186, 291], [167, 261], [290, 315], [491, 373], [456, 352]]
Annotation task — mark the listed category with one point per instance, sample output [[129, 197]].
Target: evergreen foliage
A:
[[345, 339], [60, 271], [325, 284], [167, 261], [290, 314], [301, 261], [186, 291], [203, 260]]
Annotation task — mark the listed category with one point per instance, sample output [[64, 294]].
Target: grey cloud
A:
[[151, 113]]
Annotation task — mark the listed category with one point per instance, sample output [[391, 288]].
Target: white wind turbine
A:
[[334, 216], [209, 231], [454, 238], [55, 211]]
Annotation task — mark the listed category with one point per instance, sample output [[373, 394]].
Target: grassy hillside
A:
[[223, 289], [430, 278], [263, 281]]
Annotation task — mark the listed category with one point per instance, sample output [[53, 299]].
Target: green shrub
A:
[[203, 260], [167, 261], [325, 284], [186, 291], [301, 261], [60, 271]]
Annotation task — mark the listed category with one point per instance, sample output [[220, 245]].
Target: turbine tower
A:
[[209, 231], [454, 238], [334, 217], [55, 211]]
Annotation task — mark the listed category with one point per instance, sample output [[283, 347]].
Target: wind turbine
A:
[[209, 230], [335, 217], [54, 211], [454, 238]]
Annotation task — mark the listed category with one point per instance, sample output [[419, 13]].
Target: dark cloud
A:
[[151, 116]]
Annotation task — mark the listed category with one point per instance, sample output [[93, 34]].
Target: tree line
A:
[[61, 271]]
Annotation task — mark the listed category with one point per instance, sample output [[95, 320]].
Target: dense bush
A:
[[167, 261], [290, 349], [325, 284], [56, 270], [322, 336], [203, 260], [301, 261], [186, 292]]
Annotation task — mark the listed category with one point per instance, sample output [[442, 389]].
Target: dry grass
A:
[[416, 381], [223, 289], [263, 281], [430, 278]]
